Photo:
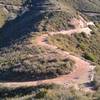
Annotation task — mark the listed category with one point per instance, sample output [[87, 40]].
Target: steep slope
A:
[[49, 6], [9, 10], [31, 57], [44, 11], [21, 17], [34, 15], [45, 15], [85, 5]]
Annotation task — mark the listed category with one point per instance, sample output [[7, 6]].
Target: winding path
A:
[[83, 72]]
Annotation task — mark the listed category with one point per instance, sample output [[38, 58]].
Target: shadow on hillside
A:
[[22, 91], [22, 76], [21, 26]]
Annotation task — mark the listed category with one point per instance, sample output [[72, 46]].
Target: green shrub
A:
[[90, 57]]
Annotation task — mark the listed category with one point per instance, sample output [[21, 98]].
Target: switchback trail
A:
[[82, 73]]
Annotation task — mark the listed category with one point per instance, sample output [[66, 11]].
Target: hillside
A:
[[39, 13], [49, 49], [42, 7], [20, 17]]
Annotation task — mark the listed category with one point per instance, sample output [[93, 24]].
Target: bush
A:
[[89, 57]]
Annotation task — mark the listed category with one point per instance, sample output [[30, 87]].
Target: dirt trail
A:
[[83, 72]]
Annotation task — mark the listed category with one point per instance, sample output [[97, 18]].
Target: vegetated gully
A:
[[83, 72]]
